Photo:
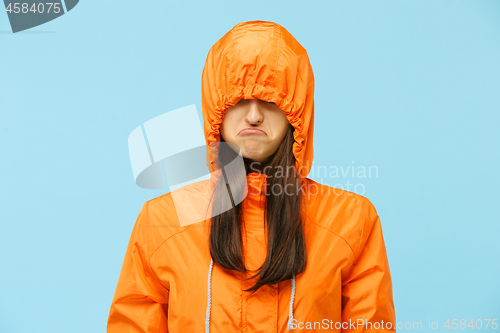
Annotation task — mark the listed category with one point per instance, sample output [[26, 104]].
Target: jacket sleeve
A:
[[140, 301], [367, 300]]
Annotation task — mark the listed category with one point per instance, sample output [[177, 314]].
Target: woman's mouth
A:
[[252, 130]]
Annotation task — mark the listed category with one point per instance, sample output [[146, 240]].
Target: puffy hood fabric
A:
[[260, 59]]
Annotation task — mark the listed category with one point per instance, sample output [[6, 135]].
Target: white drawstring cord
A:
[[290, 313], [209, 305], [209, 301]]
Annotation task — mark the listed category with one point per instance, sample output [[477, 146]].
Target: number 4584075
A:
[[35, 8], [478, 324]]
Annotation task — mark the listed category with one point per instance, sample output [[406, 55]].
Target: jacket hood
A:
[[260, 59]]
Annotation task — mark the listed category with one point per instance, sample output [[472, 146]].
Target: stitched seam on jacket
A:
[[228, 65], [277, 60], [362, 233], [377, 217], [161, 244], [245, 293], [360, 239], [147, 248], [333, 232]]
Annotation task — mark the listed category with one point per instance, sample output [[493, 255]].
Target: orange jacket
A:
[[168, 282]]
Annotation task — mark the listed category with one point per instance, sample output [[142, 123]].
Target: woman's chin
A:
[[254, 156]]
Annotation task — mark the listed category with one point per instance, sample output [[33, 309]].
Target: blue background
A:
[[411, 87]]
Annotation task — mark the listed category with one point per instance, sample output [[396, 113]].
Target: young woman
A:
[[293, 254]]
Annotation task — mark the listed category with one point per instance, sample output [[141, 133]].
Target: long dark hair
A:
[[286, 250]]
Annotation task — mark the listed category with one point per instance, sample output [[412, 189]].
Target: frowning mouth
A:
[[252, 130]]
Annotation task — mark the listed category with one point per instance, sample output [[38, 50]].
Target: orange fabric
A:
[[162, 285], [239, 67]]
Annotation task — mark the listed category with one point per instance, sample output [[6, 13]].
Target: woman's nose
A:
[[254, 114]]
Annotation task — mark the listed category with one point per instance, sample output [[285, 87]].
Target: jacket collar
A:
[[255, 184]]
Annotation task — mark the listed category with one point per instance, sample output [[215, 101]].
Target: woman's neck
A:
[[254, 166]]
